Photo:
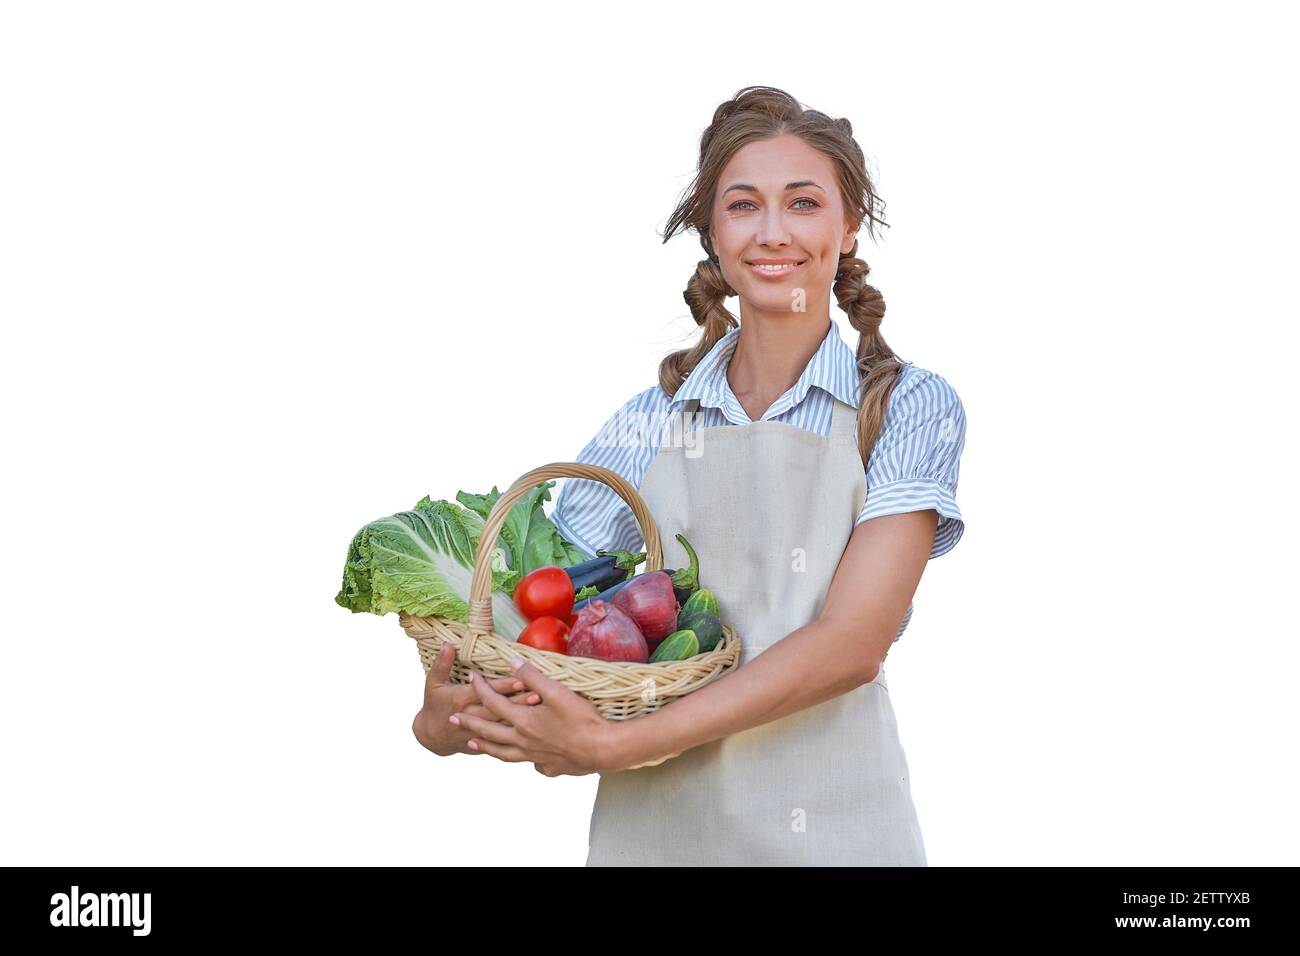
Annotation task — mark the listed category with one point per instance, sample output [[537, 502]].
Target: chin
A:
[[768, 303]]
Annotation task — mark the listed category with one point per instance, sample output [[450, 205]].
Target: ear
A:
[[850, 237]]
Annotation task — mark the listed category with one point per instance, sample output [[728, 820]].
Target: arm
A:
[[840, 650]]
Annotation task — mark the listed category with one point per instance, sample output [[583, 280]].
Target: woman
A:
[[813, 519]]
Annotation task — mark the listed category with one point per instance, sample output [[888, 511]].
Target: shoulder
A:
[[923, 395], [637, 415], [630, 435], [924, 418], [651, 399], [924, 385]]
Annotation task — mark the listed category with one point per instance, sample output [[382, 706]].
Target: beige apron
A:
[[769, 508]]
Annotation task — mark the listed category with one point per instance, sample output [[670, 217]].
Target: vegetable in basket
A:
[[684, 580], [529, 538], [700, 615], [605, 570], [550, 591], [546, 592], [420, 562], [546, 634], [606, 633], [650, 602], [677, 646]]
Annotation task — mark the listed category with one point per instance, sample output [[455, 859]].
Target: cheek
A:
[[725, 235], [821, 243]]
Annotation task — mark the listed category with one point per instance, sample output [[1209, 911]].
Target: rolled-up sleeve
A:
[[915, 462]]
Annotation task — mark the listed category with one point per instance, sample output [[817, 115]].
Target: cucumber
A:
[[707, 628], [677, 646], [701, 600]]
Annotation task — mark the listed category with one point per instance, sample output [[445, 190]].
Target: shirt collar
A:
[[832, 368]]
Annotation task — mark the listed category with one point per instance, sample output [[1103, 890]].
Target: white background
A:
[[273, 270]]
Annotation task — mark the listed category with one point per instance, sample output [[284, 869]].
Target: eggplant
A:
[[685, 580], [604, 570]]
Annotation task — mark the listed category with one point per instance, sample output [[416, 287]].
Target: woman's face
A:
[[778, 202]]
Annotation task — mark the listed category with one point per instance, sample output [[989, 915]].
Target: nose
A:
[[771, 228]]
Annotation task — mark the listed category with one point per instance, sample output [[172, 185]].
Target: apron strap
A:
[[675, 425], [844, 421]]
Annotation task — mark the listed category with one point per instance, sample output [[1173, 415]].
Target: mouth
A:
[[774, 268]]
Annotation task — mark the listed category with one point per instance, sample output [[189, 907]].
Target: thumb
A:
[[533, 677], [440, 672]]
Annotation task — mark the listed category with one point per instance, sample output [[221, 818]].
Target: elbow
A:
[[858, 648], [872, 658], [869, 669], [866, 665]]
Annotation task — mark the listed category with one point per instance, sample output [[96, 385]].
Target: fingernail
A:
[[455, 719], [519, 685], [516, 662], [473, 745]]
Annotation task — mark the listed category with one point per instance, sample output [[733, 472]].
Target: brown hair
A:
[[759, 113]]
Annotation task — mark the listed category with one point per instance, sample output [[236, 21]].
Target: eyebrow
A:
[[797, 184]]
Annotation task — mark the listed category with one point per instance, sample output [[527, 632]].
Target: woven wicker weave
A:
[[620, 690]]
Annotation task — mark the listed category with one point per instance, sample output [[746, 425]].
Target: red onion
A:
[[650, 601], [603, 631]]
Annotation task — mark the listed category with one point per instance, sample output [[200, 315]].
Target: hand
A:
[[442, 698], [564, 734]]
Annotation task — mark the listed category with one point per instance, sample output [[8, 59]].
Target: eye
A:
[[814, 202], [739, 202]]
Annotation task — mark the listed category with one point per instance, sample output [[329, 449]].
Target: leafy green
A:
[[421, 561], [529, 537]]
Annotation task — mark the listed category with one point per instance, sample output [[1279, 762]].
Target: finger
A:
[[478, 710], [466, 695], [495, 731], [501, 706], [477, 745], [504, 685], [532, 675], [440, 672]]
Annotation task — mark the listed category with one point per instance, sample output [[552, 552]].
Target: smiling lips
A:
[[774, 268]]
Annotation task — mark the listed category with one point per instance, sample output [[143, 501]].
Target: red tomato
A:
[[547, 592], [573, 619], [546, 634]]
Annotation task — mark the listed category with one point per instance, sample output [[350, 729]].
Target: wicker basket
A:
[[620, 690]]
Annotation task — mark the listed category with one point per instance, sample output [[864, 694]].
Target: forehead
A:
[[769, 164]]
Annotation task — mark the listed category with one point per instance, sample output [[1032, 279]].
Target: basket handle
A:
[[480, 589]]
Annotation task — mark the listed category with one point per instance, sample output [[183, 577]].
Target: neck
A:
[[772, 351]]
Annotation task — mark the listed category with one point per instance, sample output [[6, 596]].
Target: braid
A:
[[879, 367], [705, 295]]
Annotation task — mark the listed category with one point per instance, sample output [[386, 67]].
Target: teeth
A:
[[777, 268]]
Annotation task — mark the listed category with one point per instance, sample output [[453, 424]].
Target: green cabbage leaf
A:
[[421, 561]]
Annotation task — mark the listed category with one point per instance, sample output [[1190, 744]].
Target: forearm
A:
[[812, 664]]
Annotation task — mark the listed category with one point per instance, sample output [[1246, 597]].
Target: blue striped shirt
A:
[[912, 467]]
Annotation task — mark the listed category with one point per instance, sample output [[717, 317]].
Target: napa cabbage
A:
[[421, 561]]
